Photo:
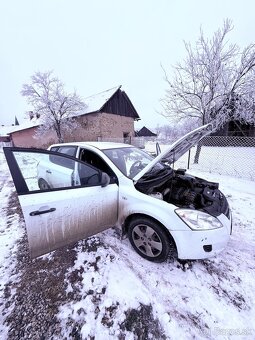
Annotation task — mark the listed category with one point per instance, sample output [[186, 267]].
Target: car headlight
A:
[[198, 220]]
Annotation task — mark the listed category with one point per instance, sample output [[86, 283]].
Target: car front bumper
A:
[[201, 244]]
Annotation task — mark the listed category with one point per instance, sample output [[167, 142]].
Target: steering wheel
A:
[[135, 168], [90, 180]]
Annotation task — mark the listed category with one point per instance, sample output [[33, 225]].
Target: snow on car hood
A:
[[178, 148]]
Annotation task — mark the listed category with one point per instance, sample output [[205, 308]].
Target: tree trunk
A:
[[59, 135], [198, 150], [199, 144]]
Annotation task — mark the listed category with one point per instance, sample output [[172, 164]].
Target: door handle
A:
[[40, 212], [48, 171]]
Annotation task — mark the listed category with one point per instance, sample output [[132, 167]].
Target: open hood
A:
[[178, 148]]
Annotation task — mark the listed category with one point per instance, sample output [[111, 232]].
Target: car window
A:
[[68, 150], [40, 173], [54, 148], [65, 162], [129, 161], [95, 160]]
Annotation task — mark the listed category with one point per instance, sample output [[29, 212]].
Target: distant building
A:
[[144, 132], [16, 121], [237, 129]]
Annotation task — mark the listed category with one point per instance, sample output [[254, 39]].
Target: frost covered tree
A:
[[52, 104], [173, 131], [215, 82]]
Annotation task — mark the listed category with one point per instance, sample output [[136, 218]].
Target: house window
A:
[[126, 137]]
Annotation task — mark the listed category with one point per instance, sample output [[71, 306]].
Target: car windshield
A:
[[130, 161]]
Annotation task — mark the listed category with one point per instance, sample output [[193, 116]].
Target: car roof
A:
[[98, 145]]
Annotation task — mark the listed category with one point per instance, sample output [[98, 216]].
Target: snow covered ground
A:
[[101, 289]]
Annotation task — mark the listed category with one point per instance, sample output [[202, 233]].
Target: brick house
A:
[[109, 114]]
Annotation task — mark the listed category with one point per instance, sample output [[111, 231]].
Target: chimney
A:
[[31, 115]]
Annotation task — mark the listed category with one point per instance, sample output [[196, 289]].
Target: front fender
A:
[[152, 207]]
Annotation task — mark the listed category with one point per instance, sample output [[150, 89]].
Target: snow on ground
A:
[[10, 232], [199, 299], [110, 292]]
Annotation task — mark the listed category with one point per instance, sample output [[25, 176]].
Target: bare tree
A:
[[52, 104], [213, 74], [173, 131]]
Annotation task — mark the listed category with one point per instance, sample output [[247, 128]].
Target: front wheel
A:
[[149, 239], [43, 185]]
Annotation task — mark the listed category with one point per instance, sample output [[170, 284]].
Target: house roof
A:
[[144, 132], [97, 101], [4, 130], [114, 101], [26, 125]]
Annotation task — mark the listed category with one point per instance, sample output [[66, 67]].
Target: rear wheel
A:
[[43, 185], [149, 239]]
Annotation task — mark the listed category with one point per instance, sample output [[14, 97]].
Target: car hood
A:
[[178, 148]]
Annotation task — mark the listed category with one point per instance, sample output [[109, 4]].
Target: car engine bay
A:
[[184, 190]]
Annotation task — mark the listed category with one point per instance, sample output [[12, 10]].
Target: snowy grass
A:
[[112, 293], [10, 232]]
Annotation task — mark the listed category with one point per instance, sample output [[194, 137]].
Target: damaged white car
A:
[[75, 190]]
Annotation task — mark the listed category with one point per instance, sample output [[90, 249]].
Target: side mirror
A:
[[105, 179]]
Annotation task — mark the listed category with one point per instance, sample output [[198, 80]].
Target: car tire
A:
[[149, 239], [43, 185]]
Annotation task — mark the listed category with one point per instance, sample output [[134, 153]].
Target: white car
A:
[[75, 190]]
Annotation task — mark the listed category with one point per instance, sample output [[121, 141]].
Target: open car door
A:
[[63, 199]]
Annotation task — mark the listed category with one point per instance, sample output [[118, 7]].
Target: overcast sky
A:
[[95, 45]]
